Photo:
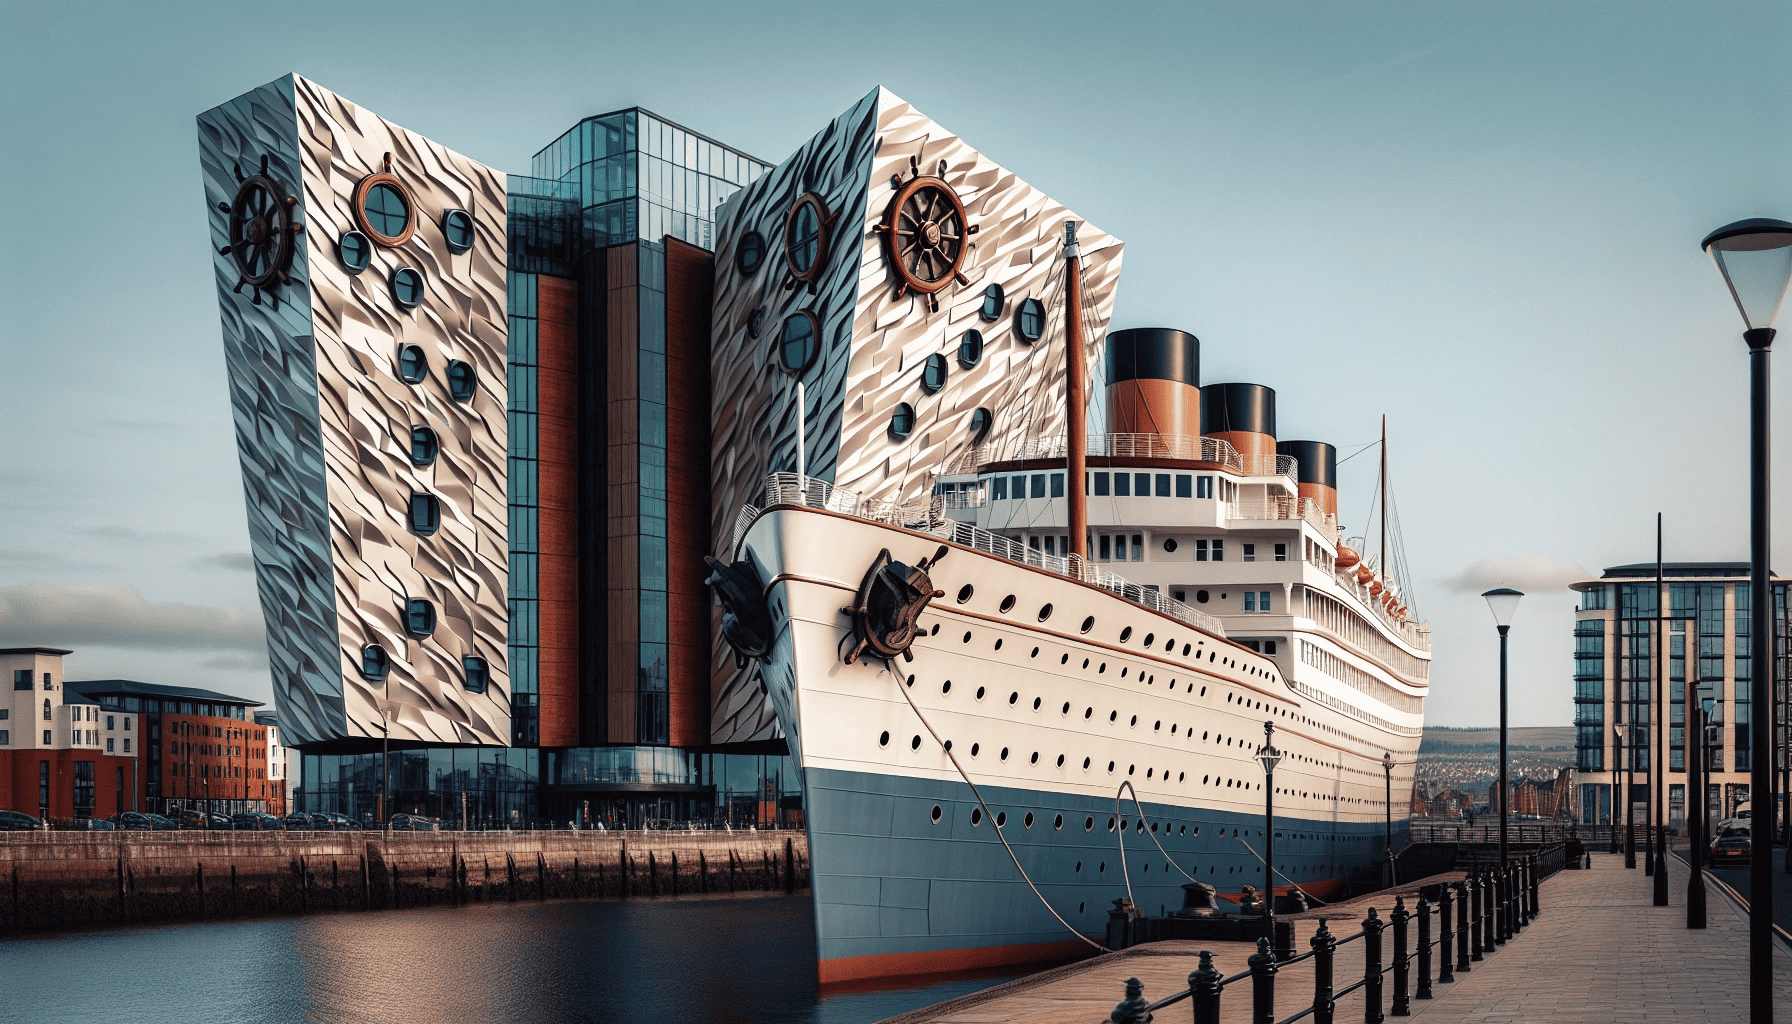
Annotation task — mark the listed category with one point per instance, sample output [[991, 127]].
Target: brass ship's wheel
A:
[[262, 232], [927, 234]]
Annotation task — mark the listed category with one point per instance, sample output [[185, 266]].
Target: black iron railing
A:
[[1472, 917]]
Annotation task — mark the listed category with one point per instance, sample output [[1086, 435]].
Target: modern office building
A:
[[473, 416], [1707, 643]]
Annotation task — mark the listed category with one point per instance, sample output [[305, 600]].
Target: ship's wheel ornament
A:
[[891, 600], [745, 621], [262, 232], [926, 233]]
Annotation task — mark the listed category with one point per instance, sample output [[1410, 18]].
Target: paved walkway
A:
[[1599, 952]]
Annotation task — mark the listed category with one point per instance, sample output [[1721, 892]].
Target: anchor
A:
[[746, 623], [890, 601]]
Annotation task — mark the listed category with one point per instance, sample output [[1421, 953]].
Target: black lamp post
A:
[[1755, 257], [1695, 821], [1503, 602], [1621, 770], [1387, 773], [1268, 756]]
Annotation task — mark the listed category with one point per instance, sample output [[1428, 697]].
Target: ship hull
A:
[[1054, 694]]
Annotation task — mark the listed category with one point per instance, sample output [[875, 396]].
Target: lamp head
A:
[[1503, 602], [1755, 257], [1268, 757], [1708, 697]]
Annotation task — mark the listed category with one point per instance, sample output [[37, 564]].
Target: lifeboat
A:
[[1364, 574], [1346, 558], [1375, 588]]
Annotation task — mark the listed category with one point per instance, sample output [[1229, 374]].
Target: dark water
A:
[[693, 959]]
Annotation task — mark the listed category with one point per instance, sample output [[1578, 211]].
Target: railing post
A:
[[1522, 892], [1324, 949], [1402, 1005], [1204, 990], [1372, 926], [1131, 1010], [1508, 892], [1424, 916], [1489, 892], [1263, 984], [1447, 934], [1536, 884], [1471, 916]]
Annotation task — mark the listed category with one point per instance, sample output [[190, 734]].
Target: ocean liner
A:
[[1025, 668]]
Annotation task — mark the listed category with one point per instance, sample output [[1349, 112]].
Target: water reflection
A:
[[696, 959]]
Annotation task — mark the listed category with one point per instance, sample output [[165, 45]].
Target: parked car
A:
[[96, 825], [217, 821], [255, 821], [134, 821], [1733, 844], [162, 824], [186, 817], [415, 823], [18, 821], [341, 822]]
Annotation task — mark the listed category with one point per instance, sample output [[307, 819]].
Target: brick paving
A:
[[1599, 952]]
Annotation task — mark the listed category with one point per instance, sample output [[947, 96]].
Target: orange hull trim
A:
[[945, 961]]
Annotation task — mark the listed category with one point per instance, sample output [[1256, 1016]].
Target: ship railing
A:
[[928, 517], [1285, 507], [1183, 447], [1414, 633]]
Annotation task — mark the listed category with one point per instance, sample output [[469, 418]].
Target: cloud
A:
[[9, 556], [77, 615], [1529, 573], [236, 561]]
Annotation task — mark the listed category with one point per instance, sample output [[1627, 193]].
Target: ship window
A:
[[1088, 623], [1281, 552], [1020, 487], [1184, 485], [1250, 601], [461, 380], [1250, 552], [1051, 545], [426, 514], [933, 373], [1029, 320], [747, 257], [1105, 547], [407, 287], [1007, 604], [1201, 597], [902, 421], [1269, 647], [998, 488], [1169, 544], [964, 593], [413, 365], [1122, 485], [1219, 550], [1203, 487], [994, 300], [1138, 547], [1100, 487], [475, 674], [457, 230], [1057, 485], [424, 445], [976, 817], [1178, 595], [936, 814], [1038, 488], [883, 740], [355, 251], [970, 348], [1162, 480], [373, 661], [799, 342], [420, 617]]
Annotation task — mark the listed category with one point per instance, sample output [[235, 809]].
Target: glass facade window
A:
[[462, 382], [424, 445], [425, 514], [933, 373], [355, 251], [981, 420], [994, 301], [419, 617], [902, 421], [386, 211], [413, 365], [407, 287], [970, 348], [1742, 694], [457, 230], [1029, 320]]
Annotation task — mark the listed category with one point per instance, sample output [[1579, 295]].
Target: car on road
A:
[[255, 821], [341, 822], [18, 821], [133, 821], [186, 817], [96, 825], [217, 820], [1732, 845], [162, 824], [415, 823]]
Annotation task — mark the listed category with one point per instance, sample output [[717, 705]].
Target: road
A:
[[1736, 877]]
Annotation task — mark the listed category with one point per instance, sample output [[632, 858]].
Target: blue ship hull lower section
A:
[[901, 888]]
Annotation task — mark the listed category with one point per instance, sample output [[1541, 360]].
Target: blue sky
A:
[[1482, 220]]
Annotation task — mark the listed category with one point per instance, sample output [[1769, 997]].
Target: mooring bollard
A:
[[1402, 1005], [1325, 948], [1263, 984], [1372, 926], [1204, 990], [1131, 1010], [1424, 916]]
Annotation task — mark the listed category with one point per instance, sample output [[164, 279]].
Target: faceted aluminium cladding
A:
[[325, 422], [875, 344]]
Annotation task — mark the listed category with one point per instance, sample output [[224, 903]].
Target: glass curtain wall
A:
[[1711, 668], [464, 787], [1589, 694], [1744, 677], [1636, 621]]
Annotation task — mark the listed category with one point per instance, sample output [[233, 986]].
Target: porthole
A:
[[1066, 710], [749, 253], [1126, 634], [419, 617], [1045, 613], [1086, 713], [1057, 822], [424, 445], [382, 208], [474, 674], [915, 744], [946, 687], [425, 514], [1008, 604], [1088, 826], [1085, 764], [1113, 716], [1004, 753], [1110, 767], [1060, 760], [981, 420], [805, 237], [964, 593], [998, 643], [355, 251], [902, 421], [970, 348], [1001, 819], [1013, 697], [1088, 624], [799, 341], [994, 301], [1169, 543], [462, 382], [1036, 703], [936, 814], [967, 637], [1029, 320], [1079, 906], [407, 287], [1150, 639], [933, 373], [374, 663], [980, 693], [457, 230], [883, 740], [1133, 722], [1201, 596], [975, 747], [976, 816]]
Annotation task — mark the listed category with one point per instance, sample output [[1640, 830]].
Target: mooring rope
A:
[[1291, 882], [1120, 828]]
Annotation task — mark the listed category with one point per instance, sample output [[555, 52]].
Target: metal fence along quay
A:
[[1468, 921]]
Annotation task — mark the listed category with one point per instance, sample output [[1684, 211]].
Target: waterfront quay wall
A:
[[61, 880]]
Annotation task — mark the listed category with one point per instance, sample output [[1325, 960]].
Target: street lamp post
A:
[[1503, 602], [1755, 258], [1695, 823], [1622, 771], [1268, 756], [1387, 773]]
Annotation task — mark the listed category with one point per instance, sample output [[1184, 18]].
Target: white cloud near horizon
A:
[[1533, 574], [77, 615]]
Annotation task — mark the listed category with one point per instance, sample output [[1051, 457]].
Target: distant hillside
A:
[[1439, 739]]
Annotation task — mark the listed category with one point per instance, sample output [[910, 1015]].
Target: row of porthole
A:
[[475, 672], [883, 740]]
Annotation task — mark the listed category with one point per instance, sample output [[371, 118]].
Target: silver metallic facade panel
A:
[[874, 344], [349, 424]]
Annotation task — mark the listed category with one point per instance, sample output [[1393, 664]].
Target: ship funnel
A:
[[1317, 473], [1154, 382], [1244, 416]]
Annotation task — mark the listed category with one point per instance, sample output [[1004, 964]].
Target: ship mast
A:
[[1076, 445], [1384, 496]]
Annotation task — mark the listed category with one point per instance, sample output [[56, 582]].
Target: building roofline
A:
[[737, 151], [33, 650], [133, 688], [1671, 571]]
